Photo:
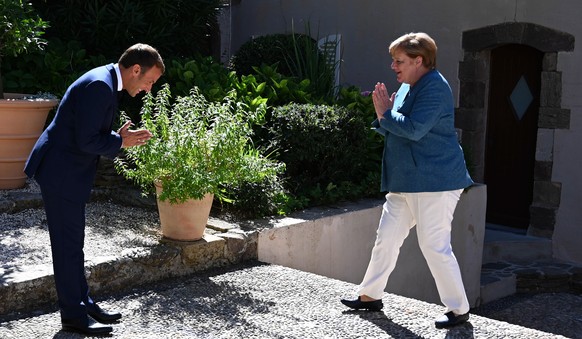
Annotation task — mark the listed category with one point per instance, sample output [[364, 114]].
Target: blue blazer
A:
[[421, 149], [64, 159]]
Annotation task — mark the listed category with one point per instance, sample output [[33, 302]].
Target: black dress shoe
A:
[[90, 327], [358, 304], [450, 319], [101, 315]]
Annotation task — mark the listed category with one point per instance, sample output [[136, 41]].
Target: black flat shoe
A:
[[91, 327], [450, 319], [358, 304], [101, 315]]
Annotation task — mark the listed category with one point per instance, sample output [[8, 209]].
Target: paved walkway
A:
[[247, 300], [255, 300]]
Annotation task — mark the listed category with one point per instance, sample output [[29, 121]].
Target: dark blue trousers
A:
[[66, 223]]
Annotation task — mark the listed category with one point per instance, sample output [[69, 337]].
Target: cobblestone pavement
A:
[[255, 300]]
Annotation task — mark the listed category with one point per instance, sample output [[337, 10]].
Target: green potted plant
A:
[[198, 147], [22, 117]]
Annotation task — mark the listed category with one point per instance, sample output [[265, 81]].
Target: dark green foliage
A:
[[324, 149], [98, 31], [182, 28], [211, 78], [354, 99], [21, 27], [215, 81], [290, 55], [21, 30], [271, 50], [50, 71], [330, 152], [308, 62], [340, 136], [258, 199]]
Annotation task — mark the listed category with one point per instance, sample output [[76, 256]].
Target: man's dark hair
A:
[[144, 55]]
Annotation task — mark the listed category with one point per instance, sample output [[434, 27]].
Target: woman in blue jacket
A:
[[424, 173]]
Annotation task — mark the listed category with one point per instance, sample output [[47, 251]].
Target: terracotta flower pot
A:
[[186, 221], [21, 123]]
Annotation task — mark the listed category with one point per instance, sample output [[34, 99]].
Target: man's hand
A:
[[382, 102], [133, 138]]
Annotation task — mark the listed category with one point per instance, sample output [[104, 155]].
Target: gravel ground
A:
[[559, 313], [110, 229]]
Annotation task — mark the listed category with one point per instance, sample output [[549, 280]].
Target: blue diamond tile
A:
[[521, 98]]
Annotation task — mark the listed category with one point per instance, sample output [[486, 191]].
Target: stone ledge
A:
[[493, 288], [26, 288], [15, 201]]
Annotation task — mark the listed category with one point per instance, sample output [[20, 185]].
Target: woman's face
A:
[[408, 70]]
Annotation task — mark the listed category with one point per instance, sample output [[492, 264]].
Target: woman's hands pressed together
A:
[[382, 101]]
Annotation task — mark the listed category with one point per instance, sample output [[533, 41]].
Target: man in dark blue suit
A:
[[64, 163]]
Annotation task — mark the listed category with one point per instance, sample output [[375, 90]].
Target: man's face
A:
[[139, 81]]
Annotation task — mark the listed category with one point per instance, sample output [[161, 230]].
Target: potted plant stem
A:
[[197, 148]]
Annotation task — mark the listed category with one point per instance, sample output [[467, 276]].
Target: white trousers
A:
[[432, 213]]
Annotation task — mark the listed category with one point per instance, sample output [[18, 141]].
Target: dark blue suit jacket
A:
[[64, 159]]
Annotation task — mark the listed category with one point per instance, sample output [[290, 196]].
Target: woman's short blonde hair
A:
[[414, 45]]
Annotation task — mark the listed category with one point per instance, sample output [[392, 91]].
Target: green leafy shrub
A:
[[21, 30], [355, 100], [324, 149], [52, 71], [267, 86], [197, 147], [49, 71], [292, 55], [212, 79], [258, 199], [279, 89]]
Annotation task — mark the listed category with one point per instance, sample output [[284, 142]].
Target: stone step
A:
[[496, 286], [514, 262], [502, 279], [507, 246]]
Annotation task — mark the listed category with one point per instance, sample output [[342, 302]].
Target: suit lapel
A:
[[115, 96]]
